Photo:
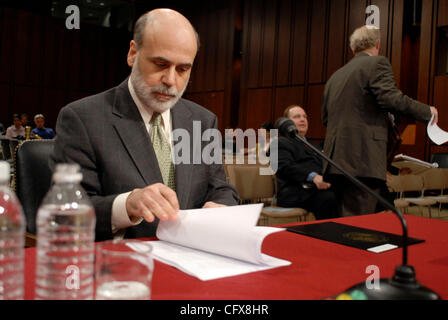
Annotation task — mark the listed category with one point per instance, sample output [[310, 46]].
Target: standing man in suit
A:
[[126, 171], [355, 107], [299, 173]]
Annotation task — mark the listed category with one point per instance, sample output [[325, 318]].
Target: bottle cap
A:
[[5, 173], [67, 172]]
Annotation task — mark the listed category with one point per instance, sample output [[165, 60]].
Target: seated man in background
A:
[[24, 119], [299, 174], [122, 138], [40, 130], [16, 131]]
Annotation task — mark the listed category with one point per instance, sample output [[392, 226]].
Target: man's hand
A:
[[211, 204], [436, 115], [156, 200], [320, 183]]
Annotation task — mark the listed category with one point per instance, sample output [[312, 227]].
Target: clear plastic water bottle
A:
[[12, 238], [65, 239]]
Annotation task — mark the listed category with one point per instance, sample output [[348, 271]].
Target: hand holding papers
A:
[[216, 242], [437, 135]]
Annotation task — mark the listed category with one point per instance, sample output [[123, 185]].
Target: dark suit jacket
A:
[[295, 163], [356, 100], [106, 135]]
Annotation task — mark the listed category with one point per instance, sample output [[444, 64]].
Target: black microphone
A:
[[403, 285]]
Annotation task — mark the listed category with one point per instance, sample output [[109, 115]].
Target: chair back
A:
[[441, 159], [411, 182], [6, 149], [434, 180], [33, 177], [250, 184]]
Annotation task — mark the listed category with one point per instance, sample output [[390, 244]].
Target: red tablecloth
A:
[[319, 268]]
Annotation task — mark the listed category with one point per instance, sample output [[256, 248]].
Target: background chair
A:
[[436, 182], [6, 151], [32, 179], [411, 190], [256, 188]]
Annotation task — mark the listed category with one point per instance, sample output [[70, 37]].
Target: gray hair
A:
[[139, 30], [364, 38]]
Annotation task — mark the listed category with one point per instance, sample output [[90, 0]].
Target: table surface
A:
[[319, 269]]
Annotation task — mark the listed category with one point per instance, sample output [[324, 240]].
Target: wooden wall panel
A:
[[210, 80], [257, 111], [253, 48], [440, 100], [336, 37], [24, 100], [21, 46], [300, 30], [210, 52], [5, 93], [50, 54], [53, 99], [284, 43], [397, 39], [45, 66], [222, 48], [75, 59], [7, 42], [443, 13], [285, 97], [35, 67], [317, 42], [313, 108], [268, 44]]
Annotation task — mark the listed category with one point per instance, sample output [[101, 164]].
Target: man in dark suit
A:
[[131, 182], [299, 173], [356, 102]]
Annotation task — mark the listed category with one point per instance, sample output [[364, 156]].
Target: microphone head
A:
[[286, 126]]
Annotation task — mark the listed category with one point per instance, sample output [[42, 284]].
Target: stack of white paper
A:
[[215, 242]]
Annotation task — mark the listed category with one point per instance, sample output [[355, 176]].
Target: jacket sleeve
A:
[[72, 144], [293, 164], [388, 96]]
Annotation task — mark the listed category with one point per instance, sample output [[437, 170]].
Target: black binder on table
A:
[[361, 238]]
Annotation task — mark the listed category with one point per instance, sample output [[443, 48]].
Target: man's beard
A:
[[145, 92]]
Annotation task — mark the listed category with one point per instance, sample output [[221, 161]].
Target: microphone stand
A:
[[403, 285]]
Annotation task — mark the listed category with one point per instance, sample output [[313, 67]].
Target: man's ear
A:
[[378, 45], [132, 53]]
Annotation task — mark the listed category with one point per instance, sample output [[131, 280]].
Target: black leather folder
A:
[[356, 237]]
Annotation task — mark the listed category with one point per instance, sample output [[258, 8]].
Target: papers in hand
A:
[[437, 135], [215, 242]]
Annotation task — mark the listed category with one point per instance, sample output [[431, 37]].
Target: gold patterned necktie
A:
[[162, 150]]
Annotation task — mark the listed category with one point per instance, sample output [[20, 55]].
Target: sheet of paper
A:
[[437, 135], [205, 265], [215, 242], [382, 248]]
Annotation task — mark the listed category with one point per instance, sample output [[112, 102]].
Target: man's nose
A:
[[169, 76]]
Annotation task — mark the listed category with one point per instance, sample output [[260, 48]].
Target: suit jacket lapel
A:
[[181, 119], [132, 131]]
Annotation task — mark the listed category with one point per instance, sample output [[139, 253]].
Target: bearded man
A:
[[123, 138]]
